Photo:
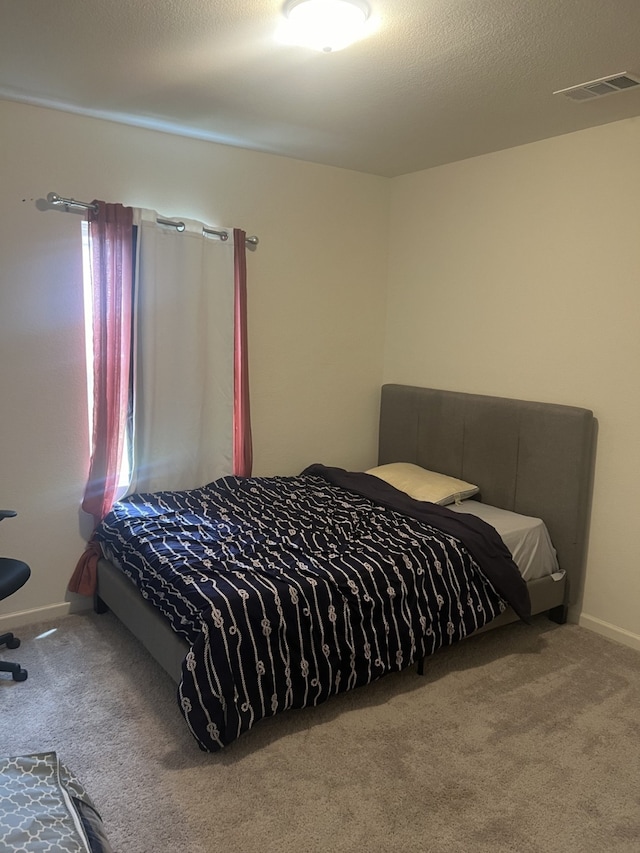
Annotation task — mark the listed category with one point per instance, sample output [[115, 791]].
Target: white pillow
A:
[[423, 485]]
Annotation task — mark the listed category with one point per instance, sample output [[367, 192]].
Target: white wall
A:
[[316, 311], [515, 273], [518, 274]]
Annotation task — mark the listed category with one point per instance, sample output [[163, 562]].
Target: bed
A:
[[532, 460]]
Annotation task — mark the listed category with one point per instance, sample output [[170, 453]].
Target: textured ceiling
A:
[[437, 80]]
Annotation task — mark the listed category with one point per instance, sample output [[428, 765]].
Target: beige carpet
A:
[[522, 739]]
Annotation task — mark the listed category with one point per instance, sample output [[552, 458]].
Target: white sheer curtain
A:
[[184, 382]]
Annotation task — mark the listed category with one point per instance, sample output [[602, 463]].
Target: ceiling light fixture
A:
[[326, 25]]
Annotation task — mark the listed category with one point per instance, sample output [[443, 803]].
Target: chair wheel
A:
[[13, 644], [20, 675]]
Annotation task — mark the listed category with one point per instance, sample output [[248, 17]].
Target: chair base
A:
[[17, 672], [9, 640]]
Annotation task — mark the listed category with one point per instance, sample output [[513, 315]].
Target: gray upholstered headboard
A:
[[531, 458]]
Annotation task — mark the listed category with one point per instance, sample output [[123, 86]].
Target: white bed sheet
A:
[[525, 536]]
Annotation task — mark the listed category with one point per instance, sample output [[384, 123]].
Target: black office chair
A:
[[13, 575]]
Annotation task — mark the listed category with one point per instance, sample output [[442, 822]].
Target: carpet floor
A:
[[526, 739]]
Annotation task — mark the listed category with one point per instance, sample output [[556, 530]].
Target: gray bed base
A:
[[531, 458], [117, 593]]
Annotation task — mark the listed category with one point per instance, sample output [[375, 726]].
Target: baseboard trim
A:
[[627, 638], [49, 613]]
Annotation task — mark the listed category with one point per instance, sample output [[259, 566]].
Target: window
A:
[[125, 469]]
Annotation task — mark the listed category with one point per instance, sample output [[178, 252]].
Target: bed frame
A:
[[532, 458]]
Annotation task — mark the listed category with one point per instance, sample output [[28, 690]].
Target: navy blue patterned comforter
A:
[[292, 589]]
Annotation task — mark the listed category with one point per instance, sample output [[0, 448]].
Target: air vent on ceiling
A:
[[598, 88]]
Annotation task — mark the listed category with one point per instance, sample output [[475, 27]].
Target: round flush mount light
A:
[[326, 25]]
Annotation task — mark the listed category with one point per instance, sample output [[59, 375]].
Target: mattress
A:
[[525, 536], [293, 589]]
